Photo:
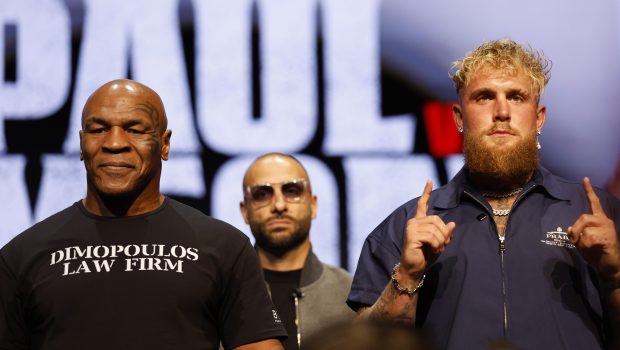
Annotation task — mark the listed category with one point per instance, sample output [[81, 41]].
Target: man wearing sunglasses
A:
[[506, 251], [279, 206], [127, 267]]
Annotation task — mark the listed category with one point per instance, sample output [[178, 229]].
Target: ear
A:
[[165, 146], [81, 154], [458, 116], [314, 205], [541, 114], [244, 212]]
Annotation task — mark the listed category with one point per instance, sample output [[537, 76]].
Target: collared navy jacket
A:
[[551, 294]]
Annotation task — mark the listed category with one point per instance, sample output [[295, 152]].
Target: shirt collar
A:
[[551, 183], [450, 196]]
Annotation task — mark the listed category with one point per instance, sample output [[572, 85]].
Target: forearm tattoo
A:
[[393, 306]]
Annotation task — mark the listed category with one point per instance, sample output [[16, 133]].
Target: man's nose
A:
[[502, 109], [116, 140], [279, 202]]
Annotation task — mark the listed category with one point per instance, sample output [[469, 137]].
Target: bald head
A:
[[274, 167], [111, 92], [123, 142]]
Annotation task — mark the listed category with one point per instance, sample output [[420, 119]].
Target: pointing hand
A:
[[596, 238], [425, 238]]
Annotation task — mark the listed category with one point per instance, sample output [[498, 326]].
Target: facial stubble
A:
[[278, 242]]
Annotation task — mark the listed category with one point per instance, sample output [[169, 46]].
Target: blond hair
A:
[[507, 56]]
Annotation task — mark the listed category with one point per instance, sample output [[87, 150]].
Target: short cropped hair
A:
[[506, 56]]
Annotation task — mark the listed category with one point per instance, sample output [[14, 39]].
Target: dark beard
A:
[[280, 246], [503, 170]]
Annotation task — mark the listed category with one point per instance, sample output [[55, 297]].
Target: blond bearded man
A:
[[506, 251]]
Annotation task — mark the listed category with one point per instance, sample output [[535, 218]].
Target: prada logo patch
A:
[[558, 238]]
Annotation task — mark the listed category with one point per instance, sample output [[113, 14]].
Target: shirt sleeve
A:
[[381, 251], [247, 314], [12, 324]]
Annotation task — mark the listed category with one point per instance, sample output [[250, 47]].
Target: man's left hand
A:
[[596, 238]]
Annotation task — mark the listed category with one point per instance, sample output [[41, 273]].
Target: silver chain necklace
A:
[[501, 212], [502, 195]]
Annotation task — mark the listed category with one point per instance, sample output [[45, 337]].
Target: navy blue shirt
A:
[[551, 294]]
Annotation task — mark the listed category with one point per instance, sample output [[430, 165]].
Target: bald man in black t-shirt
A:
[[127, 267]]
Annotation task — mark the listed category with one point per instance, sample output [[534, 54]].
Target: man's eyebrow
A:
[[511, 91], [481, 91], [523, 92], [132, 121], [95, 120], [126, 123]]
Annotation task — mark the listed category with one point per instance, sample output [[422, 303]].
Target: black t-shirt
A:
[[283, 285], [170, 279]]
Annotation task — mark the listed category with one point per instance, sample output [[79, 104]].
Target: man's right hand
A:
[[425, 238]]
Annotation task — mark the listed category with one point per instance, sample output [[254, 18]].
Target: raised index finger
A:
[[423, 202], [595, 203]]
